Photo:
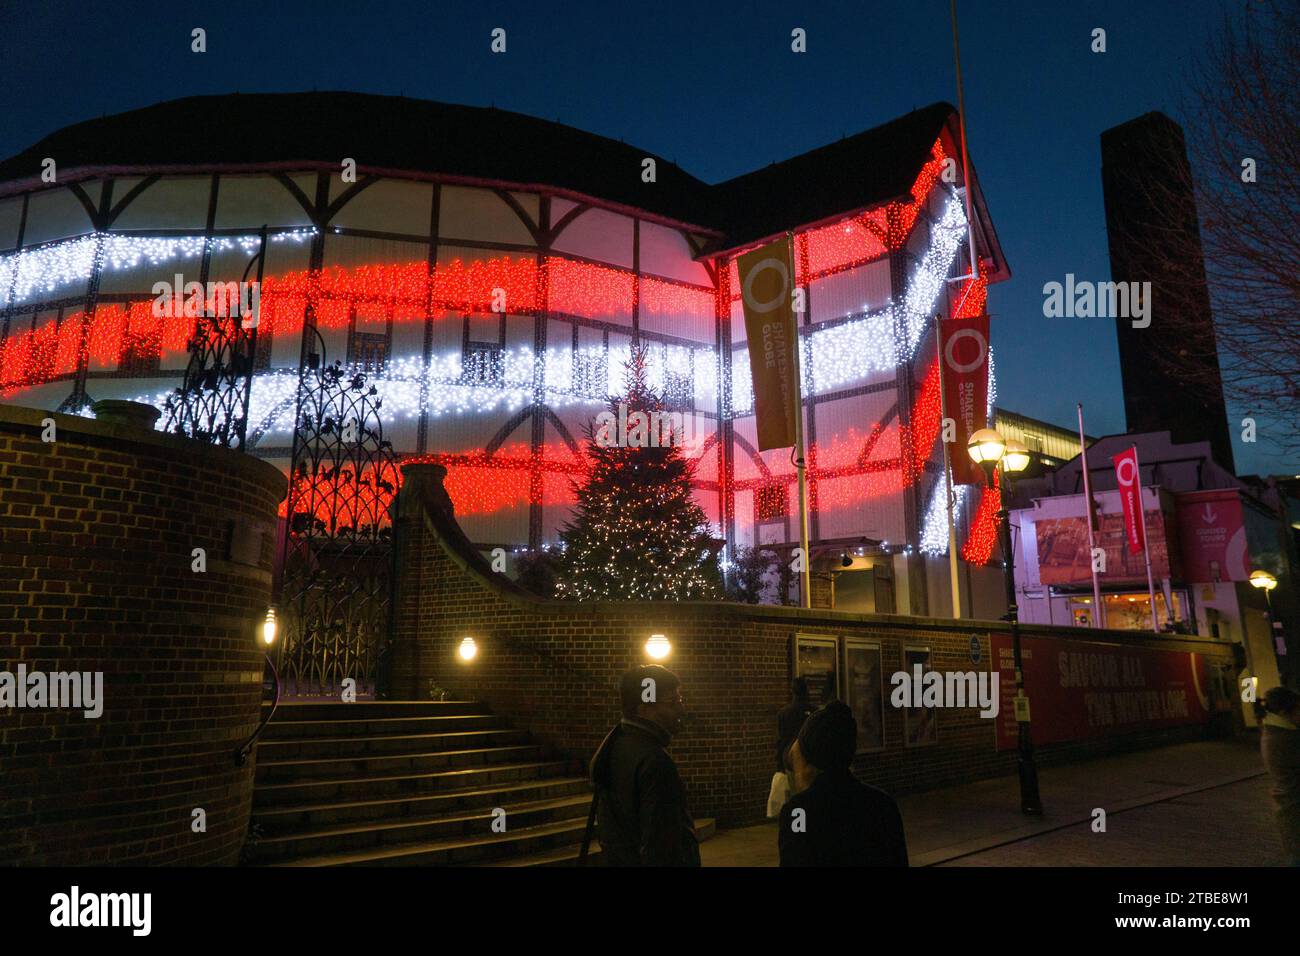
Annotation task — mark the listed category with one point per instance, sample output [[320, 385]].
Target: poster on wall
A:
[[920, 724], [1082, 689], [864, 691], [815, 660], [1214, 536], [1064, 556]]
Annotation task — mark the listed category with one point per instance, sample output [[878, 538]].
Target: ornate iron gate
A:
[[338, 549], [211, 403]]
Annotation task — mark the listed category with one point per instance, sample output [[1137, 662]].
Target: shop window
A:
[[591, 374], [482, 363], [368, 351]]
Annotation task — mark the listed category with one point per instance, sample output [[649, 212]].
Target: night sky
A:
[[713, 87]]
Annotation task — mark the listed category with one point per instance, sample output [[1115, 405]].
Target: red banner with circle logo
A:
[[964, 345], [1130, 495]]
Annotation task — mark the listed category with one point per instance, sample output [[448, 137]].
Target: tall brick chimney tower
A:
[[1154, 237]]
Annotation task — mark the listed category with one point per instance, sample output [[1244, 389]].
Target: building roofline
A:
[[408, 138]]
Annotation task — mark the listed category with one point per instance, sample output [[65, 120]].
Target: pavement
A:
[[1197, 804]]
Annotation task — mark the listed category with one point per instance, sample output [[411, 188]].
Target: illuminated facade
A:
[[494, 308]]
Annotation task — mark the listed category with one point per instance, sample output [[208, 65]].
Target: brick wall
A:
[[552, 666], [97, 531]]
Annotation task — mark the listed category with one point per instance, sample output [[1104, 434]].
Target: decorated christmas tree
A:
[[636, 533]]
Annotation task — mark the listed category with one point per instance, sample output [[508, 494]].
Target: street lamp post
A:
[[1266, 582], [990, 451]]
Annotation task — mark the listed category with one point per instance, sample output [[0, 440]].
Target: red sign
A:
[[1081, 689], [1130, 495], [965, 348], [1213, 536]]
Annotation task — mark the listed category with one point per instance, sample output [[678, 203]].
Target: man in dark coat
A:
[[834, 820], [641, 813], [790, 718]]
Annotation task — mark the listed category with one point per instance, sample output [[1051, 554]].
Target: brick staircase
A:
[[412, 783]]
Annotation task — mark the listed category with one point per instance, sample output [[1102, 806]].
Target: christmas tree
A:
[[636, 533]]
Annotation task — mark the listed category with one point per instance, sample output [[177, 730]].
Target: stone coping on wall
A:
[[105, 435], [425, 481]]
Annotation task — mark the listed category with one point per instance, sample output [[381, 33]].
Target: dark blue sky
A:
[[713, 86]]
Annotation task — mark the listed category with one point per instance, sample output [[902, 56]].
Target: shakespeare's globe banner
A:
[[766, 283], [964, 344]]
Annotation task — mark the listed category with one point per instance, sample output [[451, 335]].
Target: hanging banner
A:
[[766, 286], [964, 344], [1130, 495]]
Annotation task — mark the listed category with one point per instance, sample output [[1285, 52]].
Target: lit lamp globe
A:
[[658, 647], [467, 650], [269, 627], [1262, 580], [986, 447], [1015, 457]]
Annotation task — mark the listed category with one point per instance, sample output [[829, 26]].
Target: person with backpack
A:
[[640, 803]]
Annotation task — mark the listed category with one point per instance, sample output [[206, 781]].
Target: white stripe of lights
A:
[[43, 270], [850, 351]]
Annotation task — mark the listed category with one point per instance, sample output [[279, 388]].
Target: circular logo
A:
[[1124, 471], [950, 350], [754, 273]]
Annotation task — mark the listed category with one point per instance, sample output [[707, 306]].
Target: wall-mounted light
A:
[[467, 650], [269, 627], [658, 647]]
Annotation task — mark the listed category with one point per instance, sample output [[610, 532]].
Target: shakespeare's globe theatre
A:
[[490, 272]]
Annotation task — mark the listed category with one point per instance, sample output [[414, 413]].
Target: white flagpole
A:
[[799, 462], [972, 275], [1098, 610], [947, 477], [1146, 542], [965, 155]]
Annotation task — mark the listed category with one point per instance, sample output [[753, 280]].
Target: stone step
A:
[[564, 856], [284, 728], [395, 834], [294, 709], [275, 820], [568, 855], [291, 748], [375, 787], [332, 768], [464, 850]]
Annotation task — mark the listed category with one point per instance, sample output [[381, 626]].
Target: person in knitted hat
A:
[[835, 820]]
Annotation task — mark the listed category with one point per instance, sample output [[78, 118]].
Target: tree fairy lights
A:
[[636, 532]]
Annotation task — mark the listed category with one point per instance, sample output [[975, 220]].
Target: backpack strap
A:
[[595, 795]]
